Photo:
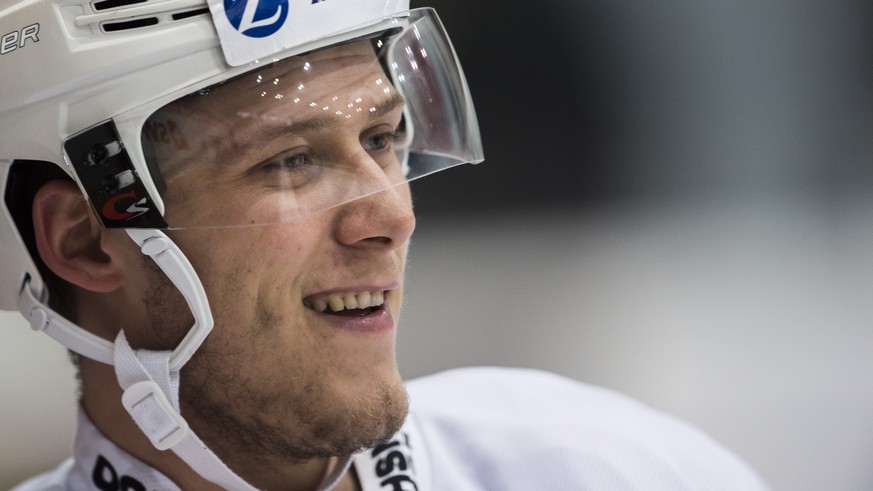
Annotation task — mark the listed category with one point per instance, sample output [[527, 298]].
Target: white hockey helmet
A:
[[82, 78]]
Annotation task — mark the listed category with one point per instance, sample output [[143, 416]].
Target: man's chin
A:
[[362, 425], [381, 421], [319, 422]]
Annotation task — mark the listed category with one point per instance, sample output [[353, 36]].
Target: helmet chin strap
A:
[[150, 379]]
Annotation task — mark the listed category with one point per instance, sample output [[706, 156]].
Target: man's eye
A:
[[381, 141], [292, 162], [289, 170]]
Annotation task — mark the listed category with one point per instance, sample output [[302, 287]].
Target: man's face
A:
[[282, 374]]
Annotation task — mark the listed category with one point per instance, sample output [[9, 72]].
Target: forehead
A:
[[317, 82]]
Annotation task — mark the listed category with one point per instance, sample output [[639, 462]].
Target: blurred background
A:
[[677, 203]]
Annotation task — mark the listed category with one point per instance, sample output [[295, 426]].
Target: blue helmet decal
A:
[[256, 18]]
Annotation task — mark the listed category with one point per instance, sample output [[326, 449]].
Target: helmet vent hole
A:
[[111, 4], [190, 13], [138, 22], [130, 24]]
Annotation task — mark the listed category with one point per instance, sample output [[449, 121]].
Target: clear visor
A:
[[313, 131]]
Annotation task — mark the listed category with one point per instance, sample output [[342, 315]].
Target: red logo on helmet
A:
[[135, 209]]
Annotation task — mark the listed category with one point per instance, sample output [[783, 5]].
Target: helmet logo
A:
[[256, 18], [136, 209]]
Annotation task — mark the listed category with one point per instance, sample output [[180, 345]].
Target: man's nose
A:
[[383, 219]]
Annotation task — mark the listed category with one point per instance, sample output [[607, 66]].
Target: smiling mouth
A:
[[350, 305]]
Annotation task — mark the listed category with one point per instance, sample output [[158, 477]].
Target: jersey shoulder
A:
[[54, 480], [515, 429]]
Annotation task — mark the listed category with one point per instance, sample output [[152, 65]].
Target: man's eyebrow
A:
[[329, 121]]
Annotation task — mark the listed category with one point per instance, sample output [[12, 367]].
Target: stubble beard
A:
[[294, 426], [299, 419], [291, 414]]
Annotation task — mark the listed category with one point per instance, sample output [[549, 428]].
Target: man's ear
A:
[[70, 240]]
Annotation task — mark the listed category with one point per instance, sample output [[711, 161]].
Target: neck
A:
[[101, 398]]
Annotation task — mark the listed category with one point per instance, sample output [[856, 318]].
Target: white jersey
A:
[[487, 429]]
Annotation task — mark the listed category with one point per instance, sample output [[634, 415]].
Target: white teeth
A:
[[337, 303], [319, 305], [364, 300], [351, 301]]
